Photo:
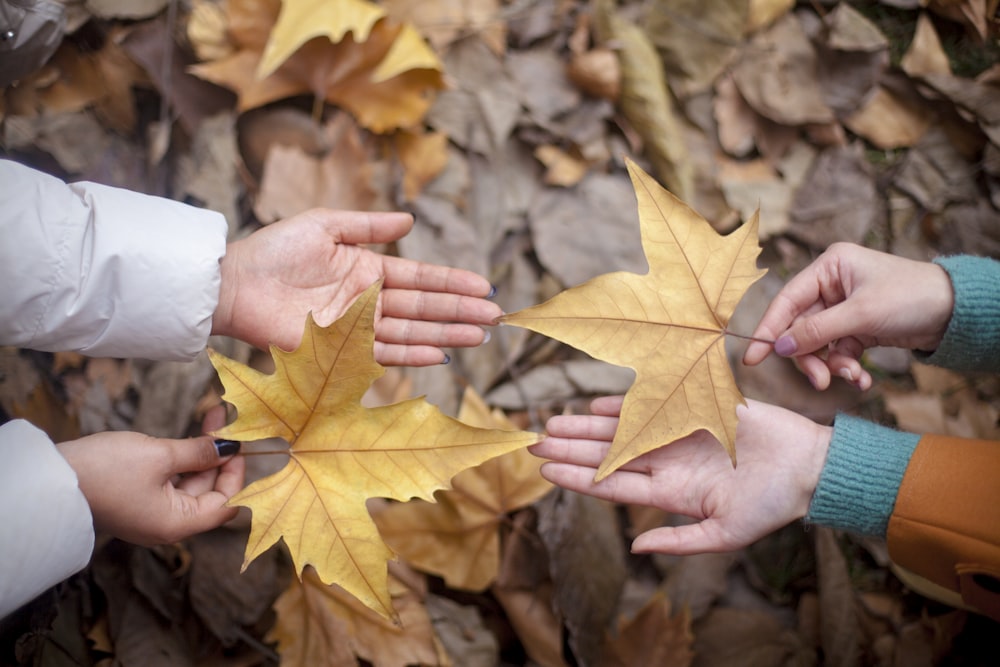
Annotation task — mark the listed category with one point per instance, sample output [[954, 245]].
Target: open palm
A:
[[315, 262], [779, 453]]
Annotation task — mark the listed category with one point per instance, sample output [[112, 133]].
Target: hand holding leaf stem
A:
[[149, 491], [781, 455], [849, 299], [315, 262]]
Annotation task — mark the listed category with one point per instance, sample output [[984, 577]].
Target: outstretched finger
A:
[[413, 275], [621, 486], [607, 406], [587, 453], [584, 427], [416, 332], [438, 307], [392, 354]]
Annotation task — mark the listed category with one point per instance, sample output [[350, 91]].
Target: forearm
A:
[[105, 271], [46, 527]]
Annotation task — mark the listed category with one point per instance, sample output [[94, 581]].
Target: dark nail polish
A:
[[446, 360], [493, 292], [227, 447]]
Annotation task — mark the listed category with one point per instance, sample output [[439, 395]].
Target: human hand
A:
[[780, 455], [313, 262], [149, 491], [849, 299]]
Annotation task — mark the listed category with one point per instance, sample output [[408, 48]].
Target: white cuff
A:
[[46, 528]]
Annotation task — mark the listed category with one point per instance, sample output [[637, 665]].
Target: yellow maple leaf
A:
[[342, 453], [668, 325], [458, 536], [348, 53]]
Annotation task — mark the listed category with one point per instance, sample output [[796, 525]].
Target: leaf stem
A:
[[727, 332]]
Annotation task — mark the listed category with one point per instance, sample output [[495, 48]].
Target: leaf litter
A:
[[912, 136]]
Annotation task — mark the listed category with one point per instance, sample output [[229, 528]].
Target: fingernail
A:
[[785, 346], [487, 337], [227, 447], [493, 292], [446, 360], [847, 374]]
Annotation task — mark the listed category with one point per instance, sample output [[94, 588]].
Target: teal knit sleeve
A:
[[858, 485], [972, 340], [866, 462]]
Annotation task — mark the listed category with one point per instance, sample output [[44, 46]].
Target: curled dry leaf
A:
[[348, 54], [646, 99], [596, 72]]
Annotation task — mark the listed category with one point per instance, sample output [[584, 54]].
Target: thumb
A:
[[685, 540], [813, 332], [198, 454]]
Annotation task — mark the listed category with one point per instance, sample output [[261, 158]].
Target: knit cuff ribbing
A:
[[972, 340], [859, 482]]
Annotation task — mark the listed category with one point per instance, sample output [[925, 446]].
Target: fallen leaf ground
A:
[[870, 122]]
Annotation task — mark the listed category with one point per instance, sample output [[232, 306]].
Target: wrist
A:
[[816, 448], [222, 318], [940, 303]]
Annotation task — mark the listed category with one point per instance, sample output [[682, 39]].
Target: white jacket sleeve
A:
[[46, 530], [105, 271]]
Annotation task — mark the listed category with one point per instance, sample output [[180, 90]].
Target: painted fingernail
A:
[[227, 447], [785, 346], [493, 292], [446, 360]]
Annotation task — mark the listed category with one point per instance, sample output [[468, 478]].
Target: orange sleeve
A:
[[945, 526]]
